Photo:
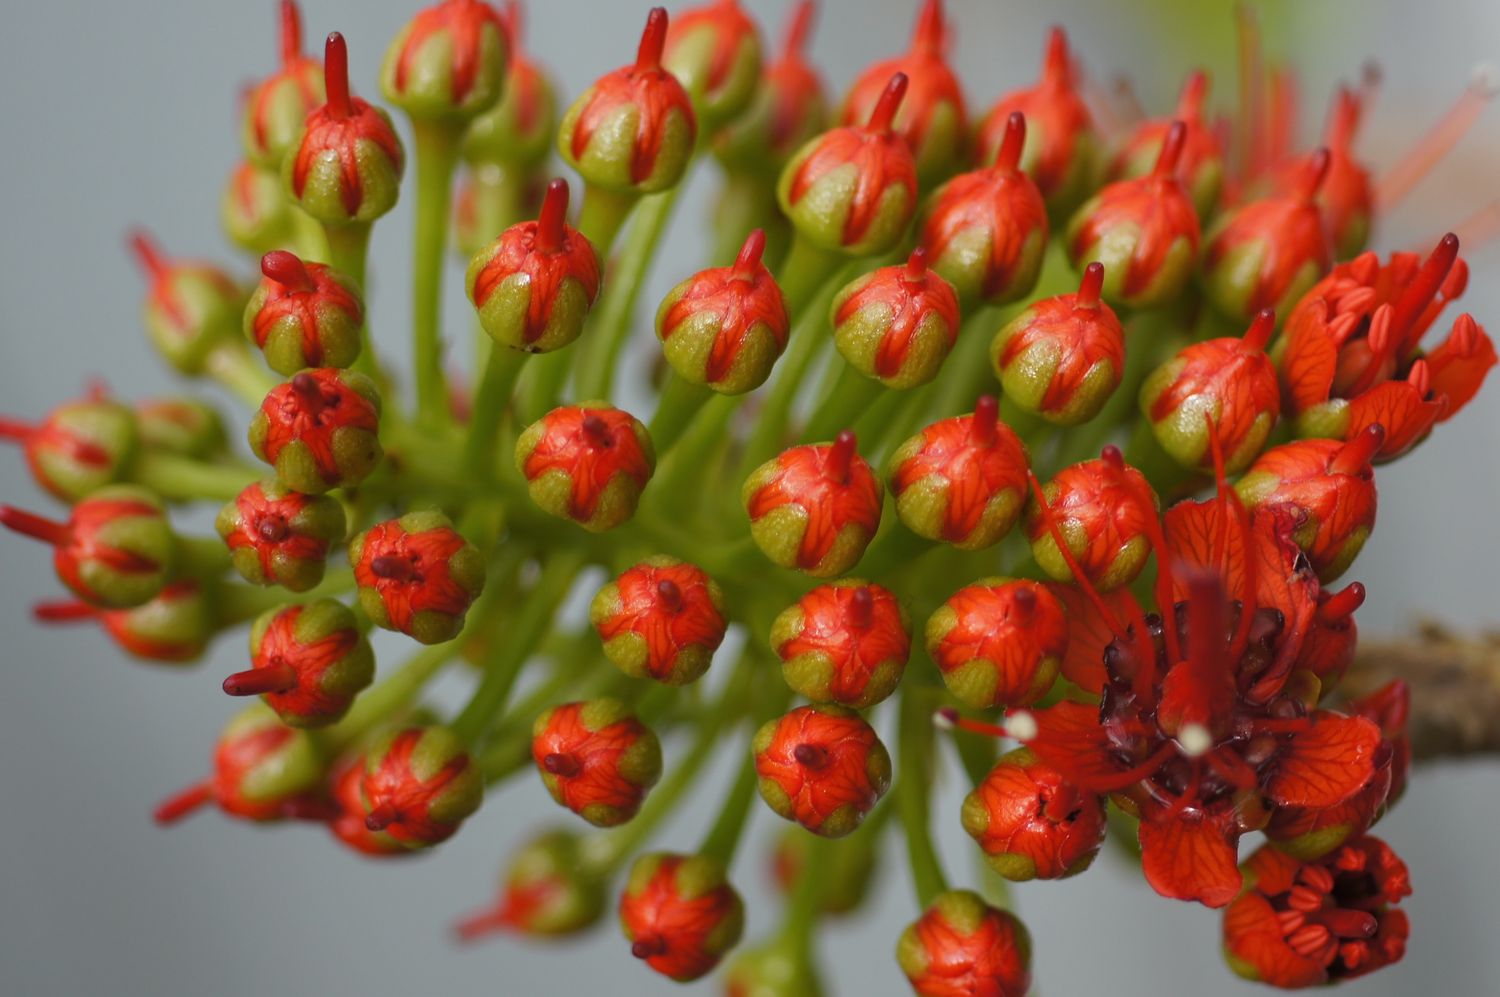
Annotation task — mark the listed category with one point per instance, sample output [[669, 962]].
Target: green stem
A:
[[747, 202], [492, 397], [349, 254], [511, 750], [202, 557], [602, 214], [308, 237], [680, 401], [804, 272], [182, 479], [798, 929], [913, 785], [724, 837], [236, 604], [391, 695], [232, 366], [852, 393], [437, 146]]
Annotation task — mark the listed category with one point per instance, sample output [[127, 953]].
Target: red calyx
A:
[[287, 270], [336, 76], [653, 40], [883, 117]]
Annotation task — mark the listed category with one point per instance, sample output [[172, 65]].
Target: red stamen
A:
[[653, 39], [812, 756], [931, 31], [596, 431], [1258, 336], [669, 594], [562, 765], [291, 32], [983, 431], [258, 681], [1420, 378], [1089, 288], [884, 115], [1205, 650], [840, 462], [1439, 141], [1171, 151], [861, 608], [1381, 341], [1008, 159], [173, 809], [1342, 604], [1354, 457], [1423, 288], [381, 817], [287, 270], [551, 221], [148, 254], [336, 76], [63, 612], [747, 264], [798, 29], [48, 531]]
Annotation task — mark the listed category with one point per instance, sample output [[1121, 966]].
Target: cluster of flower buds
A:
[[1144, 363]]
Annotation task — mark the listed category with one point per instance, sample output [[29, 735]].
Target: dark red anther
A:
[[1171, 151], [883, 117], [1112, 456], [381, 817], [48, 531], [291, 32], [287, 270], [391, 567], [336, 76], [648, 56], [597, 432], [813, 756], [148, 254], [1354, 457], [1425, 286], [1420, 378], [645, 948], [563, 765], [747, 264], [1342, 604], [669, 595], [1258, 336], [551, 221], [982, 429], [258, 681], [1090, 286], [1008, 159], [861, 608], [174, 808], [841, 456]]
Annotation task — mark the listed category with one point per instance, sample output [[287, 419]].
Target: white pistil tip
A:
[[1485, 79], [943, 719], [1021, 725], [1195, 740]]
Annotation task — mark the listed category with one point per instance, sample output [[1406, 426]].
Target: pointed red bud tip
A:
[[1008, 159], [291, 32], [669, 594], [1425, 286], [645, 948], [916, 266], [861, 608], [1190, 101], [62, 612], [1024, 599], [883, 117], [1354, 457], [653, 39], [841, 457], [258, 681], [1055, 68], [1258, 336], [799, 29], [175, 808], [1171, 151], [982, 429], [1315, 173], [813, 756], [336, 75], [1342, 604], [381, 817], [552, 219], [931, 31], [392, 567], [561, 764], [148, 254], [1090, 286], [747, 264], [1112, 456], [306, 387], [272, 529], [287, 270], [596, 430], [1420, 378], [48, 531], [484, 923]]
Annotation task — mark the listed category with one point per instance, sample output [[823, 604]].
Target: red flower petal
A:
[[1189, 857], [1327, 763]]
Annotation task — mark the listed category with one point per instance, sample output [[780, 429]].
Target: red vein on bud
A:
[[257, 681], [1008, 159], [336, 76], [287, 270], [653, 39], [883, 117], [552, 219]]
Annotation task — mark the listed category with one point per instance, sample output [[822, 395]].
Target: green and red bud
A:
[[821, 766], [181, 425], [680, 914], [417, 575], [897, 324], [307, 662], [448, 63], [280, 537], [714, 51], [518, 131], [844, 643], [174, 627], [419, 786], [80, 446], [277, 106], [320, 430], [847, 870], [776, 969], [347, 822], [1103, 513], [548, 891], [596, 759], [253, 210], [191, 309], [1032, 823], [814, 508], [1200, 166], [788, 108], [661, 619], [304, 315], [999, 642], [588, 463], [1347, 194], [962, 945]]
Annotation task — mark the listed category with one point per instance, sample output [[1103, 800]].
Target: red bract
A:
[[596, 759], [447, 61], [79, 447], [1304, 924], [320, 430], [1060, 140], [814, 507], [1104, 511], [963, 947], [1201, 163], [417, 575], [174, 627], [281, 537], [821, 766], [661, 619], [680, 914], [304, 315], [986, 231], [587, 463], [308, 662], [419, 785], [961, 480], [263, 771], [277, 106], [932, 118], [844, 643], [998, 642], [897, 324], [1031, 823]]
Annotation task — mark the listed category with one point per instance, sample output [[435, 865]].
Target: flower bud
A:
[[714, 51], [1268, 253], [1063, 357], [815, 507], [724, 327], [1329, 488], [447, 63], [846, 879], [417, 575], [348, 822], [346, 165], [680, 914], [263, 771], [319, 430], [548, 891], [253, 211], [181, 425], [821, 766], [787, 109], [117, 548], [1031, 823], [961, 480], [304, 315], [173, 627], [854, 189], [986, 231], [1061, 145], [307, 662], [277, 106], [518, 130], [1222, 391], [534, 285], [961, 945], [1347, 195], [932, 118], [79, 447], [772, 970], [191, 309], [1103, 510], [846, 643], [596, 759], [588, 463], [1200, 167], [280, 537], [1144, 231], [661, 619], [897, 324], [633, 131], [999, 642], [419, 785]]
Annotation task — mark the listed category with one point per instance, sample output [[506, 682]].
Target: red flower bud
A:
[[854, 189], [419, 785], [1329, 489], [596, 759], [448, 62], [1347, 195], [79, 447], [788, 108], [1303, 924], [280, 537], [714, 51], [724, 327], [191, 309], [999, 642], [986, 231], [348, 822], [634, 129], [680, 914], [815, 507], [1060, 141], [1216, 396], [821, 766], [1104, 510], [181, 425], [844, 643], [116, 549], [1458, 365], [174, 627], [1200, 166], [1031, 823], [534, 285], [1063, 357], [1268, 253], [346, 167], [897, 324], [277, 106], [417, 575], [661, 619], [308, 662], [961, 480], [1144, 231], [549, 890], [961, 945], [588, 463], [304, 315], [932, 118], [253, 210], [320, 430], [518, 131]]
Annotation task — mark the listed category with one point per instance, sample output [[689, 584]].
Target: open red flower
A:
[[661, 619], [320, 430], [1031, 823], [304, 315], [815, 507], [844, 643], [277, 536], [419, 785], [821, 766], [277, 106], [1305, 924], [417, 575], [961, 947], [1201, 163], [79, 447], [998, 642], [596, 759], [680, 914], [308, 661], [588, 463], [896, 324]]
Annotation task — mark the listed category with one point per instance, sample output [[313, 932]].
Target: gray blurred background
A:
[[117, 114]]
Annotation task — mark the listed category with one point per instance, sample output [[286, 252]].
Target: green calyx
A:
[[318, 517], [324, 187], [858, 339], [505, 314], [101, 428], [194, 310], [821, 214], [607, 158]]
